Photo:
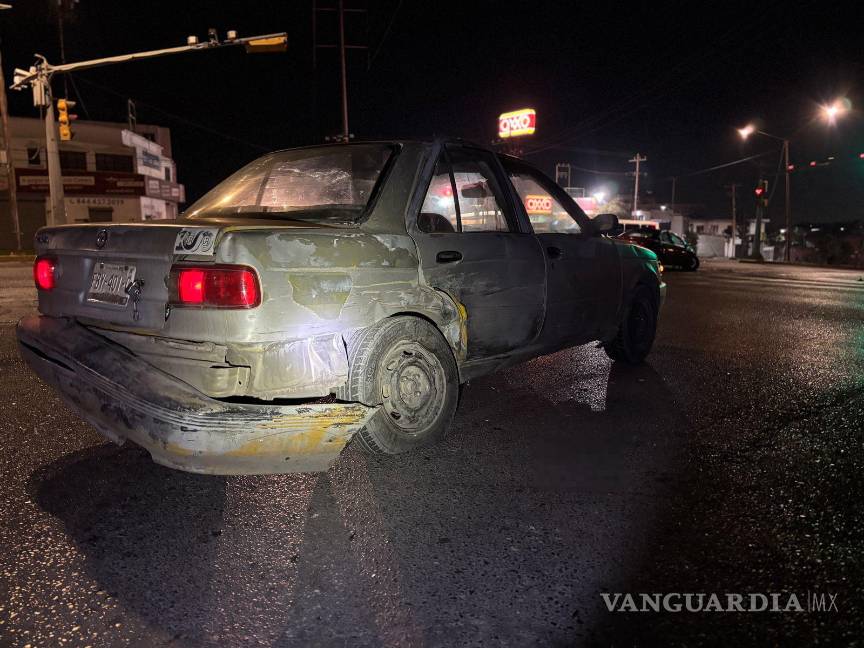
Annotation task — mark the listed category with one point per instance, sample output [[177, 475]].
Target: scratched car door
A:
[[471, 248]]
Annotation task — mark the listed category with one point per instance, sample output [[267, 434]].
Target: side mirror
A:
[[605, 223]]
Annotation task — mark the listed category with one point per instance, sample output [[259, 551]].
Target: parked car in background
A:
[[326, 291], [671, 249]]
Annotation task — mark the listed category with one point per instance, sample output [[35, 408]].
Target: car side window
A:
[[677, 240], [546, 214], [438, 213], [481, 199]]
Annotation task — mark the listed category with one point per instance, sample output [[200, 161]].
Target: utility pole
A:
[[733, 188], [131, 115], [57, 213], [329, 7], [38, 78], [7, 159], [343, 74], [61, 7], [788, 246], [672, 202], [562, 171], [637, 160], [761, 204]]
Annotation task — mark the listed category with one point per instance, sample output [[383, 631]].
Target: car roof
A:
[[428, 141]]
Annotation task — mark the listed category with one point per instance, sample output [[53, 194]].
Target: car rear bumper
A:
[[124, 397]]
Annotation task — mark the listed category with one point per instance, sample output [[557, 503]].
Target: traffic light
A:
[[761, 191], [65, 119]]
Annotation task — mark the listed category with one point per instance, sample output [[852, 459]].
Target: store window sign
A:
[[517, 123], [150, 160], [538, 204]]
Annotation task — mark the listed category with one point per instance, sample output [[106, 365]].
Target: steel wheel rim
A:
[[641, 325], [412, 386]]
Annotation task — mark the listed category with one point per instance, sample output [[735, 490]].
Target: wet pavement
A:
[[730, 463]]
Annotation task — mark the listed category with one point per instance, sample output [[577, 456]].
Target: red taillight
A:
[[190, 286], [43, 273], [215, 287]]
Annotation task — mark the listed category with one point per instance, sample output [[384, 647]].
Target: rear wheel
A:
[[636, 334], [405, 366]]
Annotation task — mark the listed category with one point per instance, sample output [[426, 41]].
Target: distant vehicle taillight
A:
[[43, 272], [219, 286]]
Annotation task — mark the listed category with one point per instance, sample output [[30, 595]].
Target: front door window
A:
[[546, 214]]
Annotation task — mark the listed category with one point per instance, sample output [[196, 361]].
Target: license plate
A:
[[108, 283]]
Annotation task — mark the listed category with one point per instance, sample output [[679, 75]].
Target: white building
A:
[[715, 238], [110, 174]]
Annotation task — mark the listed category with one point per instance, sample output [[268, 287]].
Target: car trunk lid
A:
[[116, 274]]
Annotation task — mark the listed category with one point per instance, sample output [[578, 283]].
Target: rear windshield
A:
[[326, 183]]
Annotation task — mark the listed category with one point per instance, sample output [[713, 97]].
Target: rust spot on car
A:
[[323, 293]]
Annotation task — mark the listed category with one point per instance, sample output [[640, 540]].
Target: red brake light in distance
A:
[[215, 286], [43, 273]]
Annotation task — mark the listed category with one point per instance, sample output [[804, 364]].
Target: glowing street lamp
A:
[[830, 112], [747, 131], [599, 196]]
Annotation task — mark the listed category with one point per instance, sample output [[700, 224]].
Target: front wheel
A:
[[692, 263], [636, 334], [404, 365]]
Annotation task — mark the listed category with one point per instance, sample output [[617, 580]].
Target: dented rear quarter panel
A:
[[319, 285]]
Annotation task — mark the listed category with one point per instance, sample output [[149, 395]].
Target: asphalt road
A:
[[730, 463]]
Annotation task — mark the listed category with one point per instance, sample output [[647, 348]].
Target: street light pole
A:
[[38, 77], [745, 133]]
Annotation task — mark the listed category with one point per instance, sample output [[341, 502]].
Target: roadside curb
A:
[[17, 258], [801, 265]]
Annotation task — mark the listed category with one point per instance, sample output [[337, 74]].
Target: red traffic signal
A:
[[761, 190]]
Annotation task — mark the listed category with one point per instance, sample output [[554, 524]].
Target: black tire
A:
[[692, 264], [636, 333], [405, 367]]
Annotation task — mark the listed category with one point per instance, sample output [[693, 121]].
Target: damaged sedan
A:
[[325, 293]]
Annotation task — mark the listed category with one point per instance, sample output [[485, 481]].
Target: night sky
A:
[[670, 80]]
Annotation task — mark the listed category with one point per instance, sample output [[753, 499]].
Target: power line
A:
[[78, 95], [179, 118], [683, 70], [590, 151], [386, 33], [723, 166]]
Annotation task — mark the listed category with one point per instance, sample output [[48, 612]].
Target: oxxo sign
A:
[[516, 123], [538, 204]]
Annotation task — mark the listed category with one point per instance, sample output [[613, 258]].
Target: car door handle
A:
[[554, 252], [448, 256]]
